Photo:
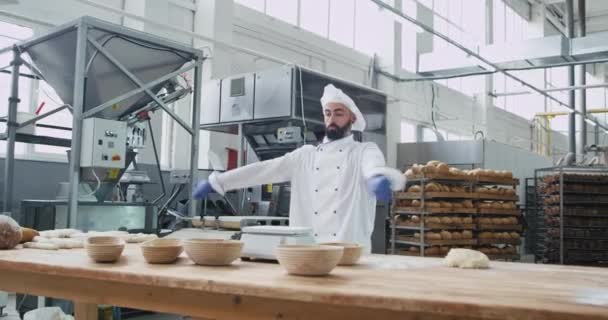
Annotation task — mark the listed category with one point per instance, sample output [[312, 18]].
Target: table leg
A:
[[85, 311]]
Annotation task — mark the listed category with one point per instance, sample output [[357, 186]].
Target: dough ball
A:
[[466, 258], [10, 232]]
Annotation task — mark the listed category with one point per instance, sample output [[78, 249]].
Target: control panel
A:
[[103, 143]]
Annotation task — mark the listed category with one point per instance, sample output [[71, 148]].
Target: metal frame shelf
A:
[[81, 33], [550, 245]]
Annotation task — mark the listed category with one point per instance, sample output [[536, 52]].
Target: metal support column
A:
[[77, 118], [571, 94], [196, 115], [11, 129], [582, 80]]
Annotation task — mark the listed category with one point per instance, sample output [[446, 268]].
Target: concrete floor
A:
[[10, 313]]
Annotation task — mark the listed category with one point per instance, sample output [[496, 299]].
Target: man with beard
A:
[[334, 186]]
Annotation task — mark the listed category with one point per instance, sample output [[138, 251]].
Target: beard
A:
[[334, 132]]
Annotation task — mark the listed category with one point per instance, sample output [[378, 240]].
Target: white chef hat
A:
[[333, 94]]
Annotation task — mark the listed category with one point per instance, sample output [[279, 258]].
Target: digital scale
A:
[[261, 241]]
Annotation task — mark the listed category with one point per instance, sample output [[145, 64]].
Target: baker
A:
[[334, 186]]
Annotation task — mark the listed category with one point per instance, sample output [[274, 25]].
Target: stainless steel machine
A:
[[110, 78], [277, 110]]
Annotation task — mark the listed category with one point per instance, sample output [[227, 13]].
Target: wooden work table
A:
[[381, 287]]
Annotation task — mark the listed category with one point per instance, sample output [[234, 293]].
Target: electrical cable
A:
[[433, 106], [98, 184]]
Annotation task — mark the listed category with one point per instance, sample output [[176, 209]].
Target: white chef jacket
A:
[[328, 187]]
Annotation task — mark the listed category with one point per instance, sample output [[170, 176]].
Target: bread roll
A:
[[486, 235], [409, 173], [506, 205], [433, 204], [431, 251], [494, 251], [446, 220], [432, 187], [445, 204], [467, 220], [432, 236], [416, 170], [468, 203], [416, 203], [414, 249], [467, 234], [10, 232], [444, 250], [496, 205], [456, 220], [433, 163], [456, 172], [456, 235], [428, 169], [417, 235], [482, 190], [446, 235], [485, 205], [514, 235], [443, 168], [506, 221], [415, 219], [493, 191], [484, 250], [457, 205], [497, 221], [432, 220], [414, 188]]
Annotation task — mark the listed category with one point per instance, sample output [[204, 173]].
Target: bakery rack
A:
[[410, 225], [573, 215]]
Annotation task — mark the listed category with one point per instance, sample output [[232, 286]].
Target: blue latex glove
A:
[[380, 186], [202, 189]]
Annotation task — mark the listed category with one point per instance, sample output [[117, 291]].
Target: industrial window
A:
[[342, 21], [314, 16], [9, 34], [286, 10]]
